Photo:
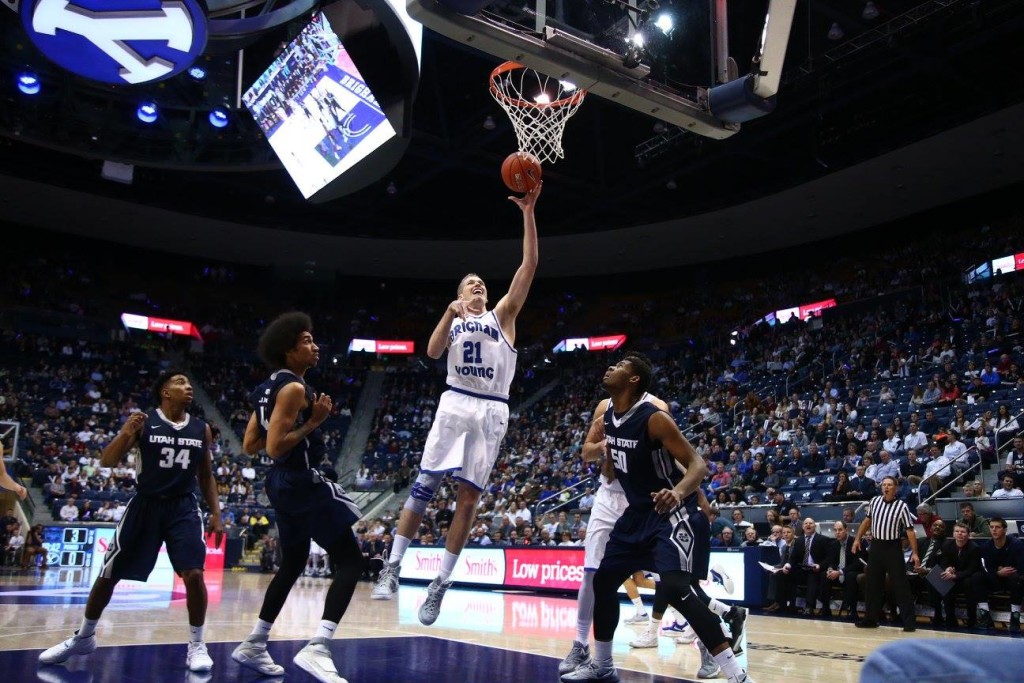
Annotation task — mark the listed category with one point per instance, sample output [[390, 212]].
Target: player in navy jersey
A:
[[174, 454], [286, 423], [661, 530], [472, 415]]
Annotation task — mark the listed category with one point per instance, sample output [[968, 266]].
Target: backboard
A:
[[666, 58]]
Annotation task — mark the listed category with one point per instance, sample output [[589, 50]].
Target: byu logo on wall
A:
[[125, 42]]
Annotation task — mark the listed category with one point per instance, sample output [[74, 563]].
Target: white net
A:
[[538, 107]]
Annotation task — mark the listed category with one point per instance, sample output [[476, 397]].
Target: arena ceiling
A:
[[871, 128]]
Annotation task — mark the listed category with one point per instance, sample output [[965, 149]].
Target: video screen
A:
[[316, 110]]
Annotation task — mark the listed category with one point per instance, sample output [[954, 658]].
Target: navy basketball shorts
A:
[[644, 540], [149, 522], [309, 507]]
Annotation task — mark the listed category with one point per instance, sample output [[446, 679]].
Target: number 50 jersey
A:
[[170, 453], [480, 359]]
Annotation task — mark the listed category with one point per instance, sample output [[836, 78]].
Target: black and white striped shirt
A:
[[889, 520]]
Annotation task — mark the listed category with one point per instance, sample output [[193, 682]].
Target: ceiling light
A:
[[665, 22], [28, 83], [392, 188], [836, 32], [870, 11], [489, 123], [148, 112], [542, 98], [219, 117]]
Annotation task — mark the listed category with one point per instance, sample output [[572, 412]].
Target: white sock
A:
[[398, 548], [639, 604], [585, 608], [603, 652], [262, 629], [672, 614], [326, 629], [197, 633], [87, 628], [448, 563], [983, 605], [730, 667], [719, 607]]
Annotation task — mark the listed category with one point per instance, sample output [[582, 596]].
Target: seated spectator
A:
[[1003, 570], [841, 489], [1008, 489], [961, 560], [69, 513], [750, 538], [929, 549], [983, 445], [726, 539], [781, 587], [842, 568], [1015, 462], [1005, 423], [976, 525], [33, 546]]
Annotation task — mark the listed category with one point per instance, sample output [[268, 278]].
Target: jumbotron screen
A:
[[316, 110]]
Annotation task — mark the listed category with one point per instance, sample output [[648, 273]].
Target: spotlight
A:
[[836, 32], [148, 112], [542, 98], [28, 83], [870, 11], [567, 86], [197, 73], [219, 117], [634, 51], [665, 22]]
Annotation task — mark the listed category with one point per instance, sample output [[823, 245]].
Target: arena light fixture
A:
[[870, 11], [219, 117], [28, 83], [148, 112]]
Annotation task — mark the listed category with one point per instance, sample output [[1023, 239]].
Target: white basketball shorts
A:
[[608, 507], [465, 437]]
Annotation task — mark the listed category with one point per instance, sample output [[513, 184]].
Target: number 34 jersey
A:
[[480, 359], [170, 453]]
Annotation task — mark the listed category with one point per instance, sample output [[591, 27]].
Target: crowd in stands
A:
[[917, 377]]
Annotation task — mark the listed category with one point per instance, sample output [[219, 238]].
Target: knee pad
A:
[[422, 491]]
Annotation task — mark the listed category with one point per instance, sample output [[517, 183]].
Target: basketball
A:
[[521, 171]]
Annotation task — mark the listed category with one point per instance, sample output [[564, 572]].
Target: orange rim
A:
[[505, 67]]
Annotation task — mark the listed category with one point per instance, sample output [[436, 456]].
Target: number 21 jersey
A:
[[480, 359]]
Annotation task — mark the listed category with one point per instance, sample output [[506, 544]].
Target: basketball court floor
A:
[[481, 636]]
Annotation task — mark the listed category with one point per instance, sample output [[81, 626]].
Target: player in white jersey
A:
[[472, 415]]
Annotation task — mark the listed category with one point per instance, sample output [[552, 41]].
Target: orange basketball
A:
[[521, 171]]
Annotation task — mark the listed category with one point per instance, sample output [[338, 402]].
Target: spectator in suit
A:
[[1003, 571], [861, 486], [961, 559], [781, 589], [810, 554], [930, 547], [842, 568]]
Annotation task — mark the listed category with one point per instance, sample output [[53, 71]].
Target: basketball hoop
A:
[[538, 107]]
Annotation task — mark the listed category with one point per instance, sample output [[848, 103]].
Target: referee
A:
[[888, 519]]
